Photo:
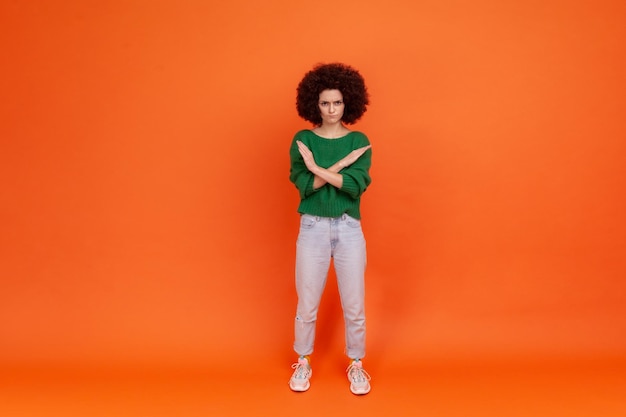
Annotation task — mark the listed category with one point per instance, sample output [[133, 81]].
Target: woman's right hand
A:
[[352, 157]]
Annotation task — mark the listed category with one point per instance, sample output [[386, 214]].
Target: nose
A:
[[331, 108]]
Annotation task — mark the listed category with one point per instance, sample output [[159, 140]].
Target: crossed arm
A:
[[331, 174]]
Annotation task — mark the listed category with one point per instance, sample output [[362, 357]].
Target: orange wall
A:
[[145, 203]]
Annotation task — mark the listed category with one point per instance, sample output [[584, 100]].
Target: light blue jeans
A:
[[319, 240]]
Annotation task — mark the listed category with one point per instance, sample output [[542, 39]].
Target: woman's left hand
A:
[[307, 157]]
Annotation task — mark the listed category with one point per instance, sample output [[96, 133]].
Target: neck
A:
[[332, 131]]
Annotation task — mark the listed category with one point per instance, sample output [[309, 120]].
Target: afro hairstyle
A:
[[335, 76]]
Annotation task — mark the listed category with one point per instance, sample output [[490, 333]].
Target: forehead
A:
[[331, 95]]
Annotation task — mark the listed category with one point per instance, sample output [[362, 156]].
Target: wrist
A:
[[317, 170]]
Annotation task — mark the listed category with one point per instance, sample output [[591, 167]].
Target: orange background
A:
[[147, 216]]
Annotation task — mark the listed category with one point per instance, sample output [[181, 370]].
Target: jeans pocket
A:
[[307, 221], [352, 222]]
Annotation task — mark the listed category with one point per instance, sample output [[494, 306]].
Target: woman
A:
[[330, 168]]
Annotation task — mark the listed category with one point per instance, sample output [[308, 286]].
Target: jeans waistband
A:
[[344, 216]]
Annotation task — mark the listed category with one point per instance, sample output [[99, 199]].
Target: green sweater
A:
[[328, 201]]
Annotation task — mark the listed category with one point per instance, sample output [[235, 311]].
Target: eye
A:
[[338, 103], [324, 103]]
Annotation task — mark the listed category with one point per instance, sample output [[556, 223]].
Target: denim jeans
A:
[[319, 240]]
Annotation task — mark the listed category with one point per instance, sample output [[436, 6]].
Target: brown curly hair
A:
[[334, 76]]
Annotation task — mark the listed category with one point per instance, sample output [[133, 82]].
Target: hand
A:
[[352, 157], [307, 157]]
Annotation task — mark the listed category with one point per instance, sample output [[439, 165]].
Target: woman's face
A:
[[331, 106]]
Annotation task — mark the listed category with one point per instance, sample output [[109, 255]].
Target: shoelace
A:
[[302, 371], [357, 374]]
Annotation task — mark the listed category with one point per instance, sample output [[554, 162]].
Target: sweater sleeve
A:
[[356, 177], [299, 174]]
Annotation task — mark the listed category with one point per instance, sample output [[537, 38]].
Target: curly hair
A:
[[334, 76]]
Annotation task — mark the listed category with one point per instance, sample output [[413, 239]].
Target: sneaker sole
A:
[[357, 392], [300, 389]]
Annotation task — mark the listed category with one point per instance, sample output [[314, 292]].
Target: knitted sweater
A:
[[328, 201]]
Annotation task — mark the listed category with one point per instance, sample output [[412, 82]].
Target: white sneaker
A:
[[359, 379], [302, 373]]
